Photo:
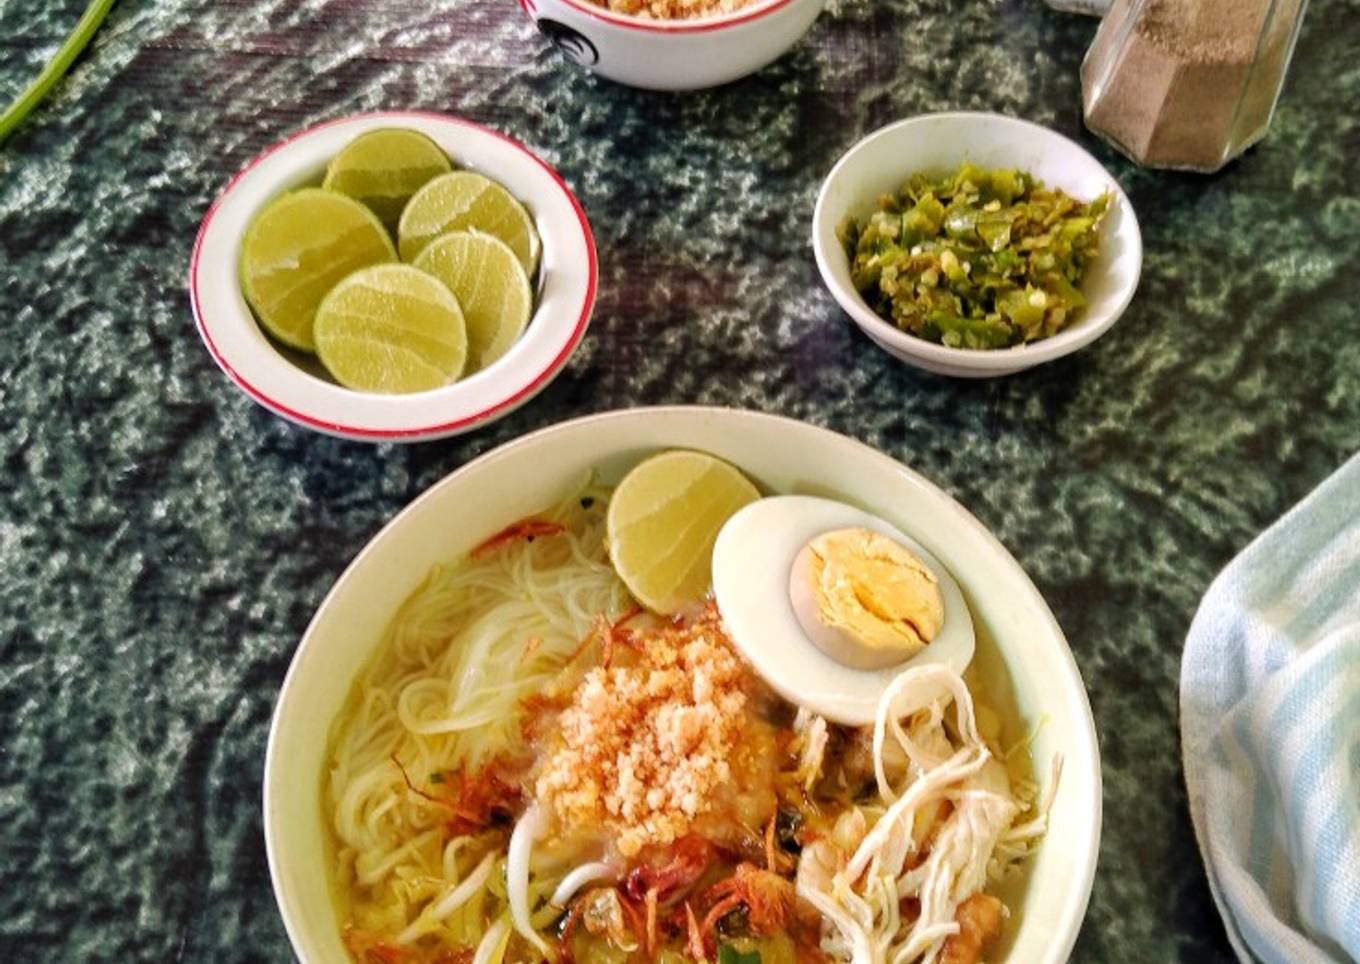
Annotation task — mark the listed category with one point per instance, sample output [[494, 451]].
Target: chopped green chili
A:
[[976, 259]]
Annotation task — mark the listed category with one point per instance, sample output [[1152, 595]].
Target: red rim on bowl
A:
[[525, 391], [705, 25]]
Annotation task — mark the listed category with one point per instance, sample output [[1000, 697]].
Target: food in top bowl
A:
[[674, 9], [976, 259], [315, 267], [534, 767]]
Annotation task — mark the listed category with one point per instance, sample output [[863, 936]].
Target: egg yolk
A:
[[878, 593]]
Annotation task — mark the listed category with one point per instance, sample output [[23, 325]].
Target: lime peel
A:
[[491, 286], [391, 329], [466, 200], [384, 168], [297, 249]]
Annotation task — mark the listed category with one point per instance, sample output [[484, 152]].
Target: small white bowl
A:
[[276, 378], [672, 54], [936, 143], [1018, 637]]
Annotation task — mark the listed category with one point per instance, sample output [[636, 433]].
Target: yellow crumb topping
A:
[[643, 749], [674, 9]]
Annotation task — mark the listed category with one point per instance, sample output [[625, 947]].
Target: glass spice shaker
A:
[[1188, 84]]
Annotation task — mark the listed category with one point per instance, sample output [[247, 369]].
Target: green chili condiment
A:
[[976, 259]]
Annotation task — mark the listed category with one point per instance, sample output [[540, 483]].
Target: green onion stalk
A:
[[84, 30]]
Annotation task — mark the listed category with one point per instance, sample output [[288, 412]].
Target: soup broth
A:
[[534, 768]]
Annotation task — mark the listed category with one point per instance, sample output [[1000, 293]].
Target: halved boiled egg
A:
[[830, 603]]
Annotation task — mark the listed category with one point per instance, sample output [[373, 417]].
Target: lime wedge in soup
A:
[[663, 521]]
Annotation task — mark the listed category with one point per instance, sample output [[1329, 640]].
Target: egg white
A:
[[752, 560]]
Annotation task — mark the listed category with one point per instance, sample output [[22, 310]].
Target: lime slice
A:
[[663, 520], [383, 168], [296, 250], [391, 329], [464, 201], [491, 287]]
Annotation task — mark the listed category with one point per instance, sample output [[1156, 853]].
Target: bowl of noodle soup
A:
[[402, 824]]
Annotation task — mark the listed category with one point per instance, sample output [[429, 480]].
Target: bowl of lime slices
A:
[[394, 276]]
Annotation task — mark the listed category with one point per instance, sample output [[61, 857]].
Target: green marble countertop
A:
[[164, 541]]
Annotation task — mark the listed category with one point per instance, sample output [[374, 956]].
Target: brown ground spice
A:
[[1187, 83]]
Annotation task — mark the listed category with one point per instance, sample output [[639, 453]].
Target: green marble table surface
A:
[[163, 541]]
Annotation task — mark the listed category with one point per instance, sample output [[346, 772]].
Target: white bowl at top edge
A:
[[780, 455], [564, 289], [672, 54], [936, 143]]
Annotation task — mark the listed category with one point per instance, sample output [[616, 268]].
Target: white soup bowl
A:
[[1019, 641]]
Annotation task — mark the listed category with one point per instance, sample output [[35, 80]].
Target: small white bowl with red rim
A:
[[279, 380], [937, 144], [673, 54]]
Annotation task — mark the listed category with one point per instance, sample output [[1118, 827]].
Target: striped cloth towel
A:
[[1270, 732]]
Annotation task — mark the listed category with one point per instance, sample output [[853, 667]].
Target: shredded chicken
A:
[[904, 887], [810, 737]]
